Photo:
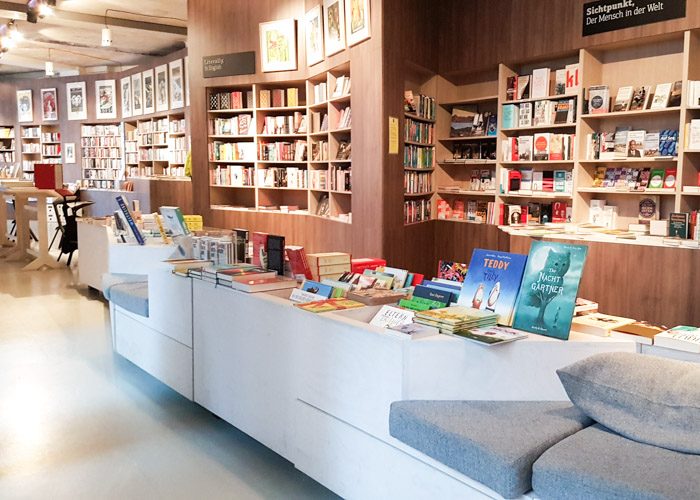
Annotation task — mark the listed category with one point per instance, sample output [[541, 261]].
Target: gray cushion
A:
[[651, 400], [598, 463], [131, 296], [493, 442], [111, 279]]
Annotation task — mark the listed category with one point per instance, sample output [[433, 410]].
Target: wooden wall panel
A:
[[518, 30], [636, 281]]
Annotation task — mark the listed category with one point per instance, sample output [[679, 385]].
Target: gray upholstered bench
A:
[[493, 442], [128, 291]]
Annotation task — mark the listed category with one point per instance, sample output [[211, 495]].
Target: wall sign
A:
[[240, 63], [610, 15]]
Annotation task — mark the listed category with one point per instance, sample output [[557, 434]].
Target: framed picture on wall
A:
[[177, 86], [126, 96], [25, 109], [105, 99], [278, 45], [333, 26], [136, 95], [357, 22], [161, 88], [76, 101], [69, 152], [187, 81], [149, 104], [49, 105], [313, 33]]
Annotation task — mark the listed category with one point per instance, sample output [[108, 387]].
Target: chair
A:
[[67, 209]]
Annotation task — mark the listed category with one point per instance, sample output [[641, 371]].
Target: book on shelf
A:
[[573, 79], [598, 323], [598, 99], [623, 99], [342, 86], [298, 262], [547, 296], [511, 87], [452, 271], [560, 82], [525, 115], [681, 338], [662, 94], [540, 83], [523, 86], [679, 225], [635, 143], [638, 331], [127, 217], [174, 221], [540, 148], [640, 98], [674, 99], [456, 319], [252, 284], [462, 121], [693, 93]]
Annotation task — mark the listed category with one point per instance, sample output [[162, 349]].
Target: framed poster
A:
[[76, 101], [313, 32], [126, 96], [105, 97], [149, 102], [177, 86], [25, 110], [49, 105], [278, 46], [333, 26], [161, 87], [357, 22], [69, 152], [136, 95]]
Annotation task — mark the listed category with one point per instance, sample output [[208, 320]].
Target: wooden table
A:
[[22, 247]]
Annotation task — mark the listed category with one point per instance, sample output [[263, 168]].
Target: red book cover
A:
[[277, 98], [417, 279], [523, 214], [48, 175], [514, 156], [501, 214], [559, 211], [260, 249], [360, 264], [298, 262]]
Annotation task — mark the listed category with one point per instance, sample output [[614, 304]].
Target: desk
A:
[[22, 248]]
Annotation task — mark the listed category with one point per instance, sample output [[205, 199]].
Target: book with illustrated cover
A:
[[682, 338], [598, 323], [623, 99], [329, 305], [635, 143], [391, 316], [547, 296], [662, 94], [126, 215], [493, 282], [598, 99], [674, 99], [452, 271], [640, 98], [560, 82], [252, 284], [462, 123], [492, 335], [523, 82]]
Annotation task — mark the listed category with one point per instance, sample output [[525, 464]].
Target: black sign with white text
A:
[[610, 15], [240, 63]]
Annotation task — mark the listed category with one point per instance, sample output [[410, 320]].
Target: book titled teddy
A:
[[548, 291]]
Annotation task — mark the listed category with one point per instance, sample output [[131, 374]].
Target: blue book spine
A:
[[130, 220], [427, 292]]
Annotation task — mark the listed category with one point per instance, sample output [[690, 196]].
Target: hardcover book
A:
[[640, 98], [492, 335], [598, 323], [493, 282], [678, 225], [452, 271], [462, 122], [540, 147], [126, 213], [623, 99], [682, 338], [391, 316], [599, 99], [540, 82], [523, 82], [275, 254], [329, 305], [662, 94], [547, 296]]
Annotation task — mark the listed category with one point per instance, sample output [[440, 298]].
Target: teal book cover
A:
[[550, 285], [492, 283]]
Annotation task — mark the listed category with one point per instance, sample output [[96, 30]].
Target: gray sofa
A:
[[632, 432]]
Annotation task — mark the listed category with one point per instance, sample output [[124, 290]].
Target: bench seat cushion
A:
[[493, 442], [598, 463], [132, 297]]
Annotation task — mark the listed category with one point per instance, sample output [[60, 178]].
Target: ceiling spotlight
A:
[[13, 32], [37, 9], [106, 37]]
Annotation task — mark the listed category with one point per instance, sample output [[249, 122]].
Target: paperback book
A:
[[547, 296], [492, 335]]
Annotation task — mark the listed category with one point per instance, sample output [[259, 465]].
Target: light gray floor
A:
[[78, 422]]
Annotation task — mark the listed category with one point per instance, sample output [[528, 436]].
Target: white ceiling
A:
[[75, 43]]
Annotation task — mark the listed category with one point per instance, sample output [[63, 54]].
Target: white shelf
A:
[[642, 112]]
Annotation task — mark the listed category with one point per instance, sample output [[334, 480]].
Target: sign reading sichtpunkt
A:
[[240, 63], [611, 15]]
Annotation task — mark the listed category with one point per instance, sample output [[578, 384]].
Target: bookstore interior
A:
[[469, 274]]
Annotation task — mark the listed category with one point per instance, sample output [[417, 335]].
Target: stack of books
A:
[[457, 319]]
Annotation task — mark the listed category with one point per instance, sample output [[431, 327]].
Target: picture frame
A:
[[177, 86], [136, 95], [149, 98], [187, 80], [49, 105], [69, 153], [313, 34], [278, 47], [161, 88], [25, 108], [357, 21], [105, 99], [333, 26], [76, 100], [126, 96]]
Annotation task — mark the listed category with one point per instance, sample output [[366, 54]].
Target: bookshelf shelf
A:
[[630, 160], [538, 162], [546, 98], [647, 192], [319, 106], [467, 162], [319, 134], [230, 111], [468, 138], [340, 99], [421, 144], [469, 101], [553, 126], [412, 169], [282, 109], [245, 162], [689, 193], [281, 136], [418, 118], [233, 137], [419, 195], [636, 113], [346, 130], [538, 195], [463, 192]]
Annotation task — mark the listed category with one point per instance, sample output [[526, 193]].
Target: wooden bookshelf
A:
[[8, 152], [284, 158], [102, 163]]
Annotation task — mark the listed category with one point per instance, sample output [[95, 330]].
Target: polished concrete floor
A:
[[78, 422]]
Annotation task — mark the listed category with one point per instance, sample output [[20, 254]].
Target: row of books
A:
[[100, 142], [539, 147], [630, 98], [153, 138], [467, 121], [232, 151], [51, 137], [538, 85], [472, 211], [230, 100], [417, 182], [341, 178], [319, 122], [100, 174], [539, 113], [626, 143], [232, 175], [528, 181], [483, 150], [100, 130], [178, 126], [289, 177], [318, 179], [31, 132], [480, 180], [156, 125], [319, 150], [418, 156], [7, 133], [345, 118], [421, 105], [282, 151], [416, 210], [31, 148], [7, 157], [155, 154], [100, 152], [415, 131], [279, 98], [287, 124], [239, 125], [635, 179]]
